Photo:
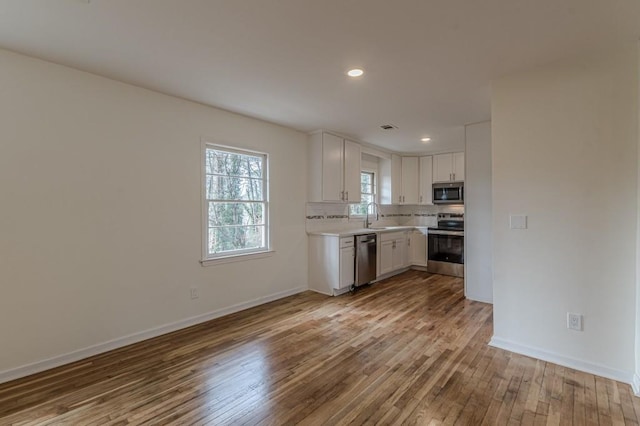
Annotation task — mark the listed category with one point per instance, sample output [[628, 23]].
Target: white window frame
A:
[[236, 255], [375, 193]]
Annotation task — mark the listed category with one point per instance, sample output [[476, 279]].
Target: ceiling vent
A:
[[388, 127]]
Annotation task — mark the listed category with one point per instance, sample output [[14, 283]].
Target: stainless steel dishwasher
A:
[[366, 254]]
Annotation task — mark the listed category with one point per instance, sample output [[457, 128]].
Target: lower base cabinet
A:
[[331, 264], [418, 247], [393, 252], [347, 263], [332, 259]]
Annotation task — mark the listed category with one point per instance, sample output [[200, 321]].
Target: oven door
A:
[[446, 246]]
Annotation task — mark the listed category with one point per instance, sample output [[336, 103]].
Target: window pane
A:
[[234, 188], [232, 164], [236, 238], [366, 182], [233, 214], [235, 193], [358, 210], [367, 189]]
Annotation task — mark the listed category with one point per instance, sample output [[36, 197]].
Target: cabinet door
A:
[[396, 179], [417, 248], [442, 167], [386, 256], [352, 167], [347, 266], [399, 254], [332, 167], [410, 180], [458, 166], [426, 180]]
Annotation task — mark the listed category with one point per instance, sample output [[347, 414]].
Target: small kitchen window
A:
[[368, 195], [235, 205]]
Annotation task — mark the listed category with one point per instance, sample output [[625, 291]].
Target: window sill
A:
[[237, 258]]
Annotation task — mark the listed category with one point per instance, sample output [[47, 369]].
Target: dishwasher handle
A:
[[368, 239]]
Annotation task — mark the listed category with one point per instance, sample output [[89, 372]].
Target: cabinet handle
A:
[[454, 176], [347, 195], [421, 198], [399, 198]]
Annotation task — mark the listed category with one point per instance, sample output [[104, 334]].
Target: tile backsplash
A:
[[335, 216]]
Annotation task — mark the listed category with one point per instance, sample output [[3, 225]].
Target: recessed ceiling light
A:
[[425, 139], [356, 72]]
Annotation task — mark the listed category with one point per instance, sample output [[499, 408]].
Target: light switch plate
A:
[[518, 221]]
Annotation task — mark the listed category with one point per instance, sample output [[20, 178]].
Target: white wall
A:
[[478, 262], [100, 211], [636, 377], [565, 142]]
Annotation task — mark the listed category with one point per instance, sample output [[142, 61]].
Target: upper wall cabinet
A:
[[410, 183], [406, 180], [334, 165], [448, 167], [426, 180]]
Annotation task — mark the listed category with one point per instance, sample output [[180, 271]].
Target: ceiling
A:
[[428, 63]]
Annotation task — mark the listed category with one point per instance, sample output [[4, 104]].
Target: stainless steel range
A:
[[446, 245]]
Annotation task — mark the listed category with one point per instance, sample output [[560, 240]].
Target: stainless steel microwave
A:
[[448, 193]]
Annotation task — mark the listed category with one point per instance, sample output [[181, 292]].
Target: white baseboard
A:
[[565, 361], [635, 385], [478, 299], [57, 361]]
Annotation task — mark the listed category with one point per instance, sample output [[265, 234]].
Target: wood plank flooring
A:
[[408, 350]]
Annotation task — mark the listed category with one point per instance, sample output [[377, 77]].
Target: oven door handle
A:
[[451, 233]]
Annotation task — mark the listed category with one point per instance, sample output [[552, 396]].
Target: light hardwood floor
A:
[[409, 350]]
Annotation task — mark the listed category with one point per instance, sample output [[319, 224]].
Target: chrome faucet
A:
[[367, 224]]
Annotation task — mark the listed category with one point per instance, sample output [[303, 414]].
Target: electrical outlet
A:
[[194, 293], [574, 321]]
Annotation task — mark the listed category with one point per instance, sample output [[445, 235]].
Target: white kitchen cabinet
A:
[[347, 264], [331, 264], [393, 252], [418, 247], [386, 257], [400, 180], [400, 253], [448, 167], [352, 170], [426, 180], [410, 180], [334, 167], [458, 166]]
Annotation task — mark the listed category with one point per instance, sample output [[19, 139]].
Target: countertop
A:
[[360, 231]]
